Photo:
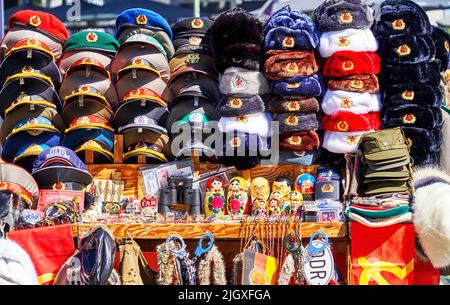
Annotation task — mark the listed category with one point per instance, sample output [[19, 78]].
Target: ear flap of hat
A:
[[231, 106], [346, 63], [413, 93], [293, 104], [283, 64], [426, 72], [300, 141], [412, 115], [361, 83], [421, 141], [442, 42], [408, 49], [296, 121], [299, 86]]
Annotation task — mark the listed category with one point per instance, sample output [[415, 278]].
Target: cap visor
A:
[[53, 174]]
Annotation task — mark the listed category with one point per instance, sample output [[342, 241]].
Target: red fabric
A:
[[48, 248], [425, 273], [382, 255], [345, 63], [44, 22], [51, 196], [346, 121]]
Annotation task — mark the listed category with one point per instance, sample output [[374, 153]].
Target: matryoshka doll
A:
[[259, 207], [259, 190], [297, 202], [237, 196], [273, 207], [285, 206], [214, 203]]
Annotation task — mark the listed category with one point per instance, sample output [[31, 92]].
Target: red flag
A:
[[48, 248]]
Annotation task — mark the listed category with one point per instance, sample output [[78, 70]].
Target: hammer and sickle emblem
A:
[[373, 271]]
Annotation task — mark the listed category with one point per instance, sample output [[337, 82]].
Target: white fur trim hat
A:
[[358, 103], [342, 142], [347, 40], [242, 82], [252, 124], [16, 267], [432, 214]]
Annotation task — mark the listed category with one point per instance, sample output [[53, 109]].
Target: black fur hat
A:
[[413, 116], [426, 159], [407, 49], [421, 141], [442, 42], [236, 38], [426, 72], [231, 106], [395, 17], [413, 93]]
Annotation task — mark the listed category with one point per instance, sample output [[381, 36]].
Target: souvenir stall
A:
[[299, 150]]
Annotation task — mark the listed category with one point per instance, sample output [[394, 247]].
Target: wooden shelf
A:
[[196, 230]]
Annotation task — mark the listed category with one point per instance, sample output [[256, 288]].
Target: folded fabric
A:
[[305, 158], [300, 141], [341, 142], [346, 121], [296, 121], [300, 86], [412, 115], [385, 187], [407, 49], [421, 141], [413, 93], [407, 217], [379, 214], [362, 83], [345, 63], [358, 40], [426, 72], [394, 17], [282, 64], [280, 104], [335, 15], [242, 82], [251, 124], [231, 106], [357, 103], [290, 29], [442, 42]]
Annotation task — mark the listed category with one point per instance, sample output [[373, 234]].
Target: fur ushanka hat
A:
[[279, 104], [407, 49], [236, 38], [299, 86], [413, 93], [290, 29], [345, 63], [442, 42], [300, 141], [336, 15], [394, 17], [233, 106], [425, 72], [412, 115], [421, 141], [282, 64], [360, 83], [296, 121]]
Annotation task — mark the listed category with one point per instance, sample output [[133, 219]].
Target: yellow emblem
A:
[[192, 58], [346, 103], [197, 23], [137, 61], [348, 65], [91, 144], [235, 103], [291, 67], [35, 21], [352, 140], [195, 41], [242, 119], [295, 140], [27, 69], [345, 18], [342, 126], [33, 150], [409, 118], [91, 37], [291, 120], [343, 41], [373, 271], [327, 188], [32, 42], [293, 86], [288, 42], [357, 84], [403, 50], [398, 24], [293, 106], [408, 95], [141, 19]]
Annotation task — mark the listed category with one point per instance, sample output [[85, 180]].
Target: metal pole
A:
[[196, 8], [2, 19]]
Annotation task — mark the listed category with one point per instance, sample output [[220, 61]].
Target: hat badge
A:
[[291, 120], [348, 65], [295, 140], [409, 118], [345, 18], [91, 144], [137, 61], [134, 92], [192, 58], [33, 149], [84, 88], [27, 69], [197, 23], [58, 186], [293, 106], [32, 42], [35, 21], [82, 120], [343, 41], [242, 119], [195, 117], [235, 142], [342, 126], [140, 145], [408, 95], [292, 67], [351, 140], [195, 41], [327, 188], [87, 61], [238, 82], [293, 85], [356, 84], [141, 19], [235, 103], [141, 119], [23, 98], [288, 42], [346, 103], [31, 121], [398, 24], [91, 37], [403, 50]]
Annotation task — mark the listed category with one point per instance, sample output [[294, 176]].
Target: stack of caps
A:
[[29, 80], [59, 168], [88, 94], [141, 73], [347, 44], [386, 176], [194, 84], [290, 65], [236, 43], [411, 77]]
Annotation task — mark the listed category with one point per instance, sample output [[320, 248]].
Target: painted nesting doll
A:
[[260, 191], [297, 202], [214, 202], [273, 207], [237, 196], [282, 185], [259, 207], [285, 206]]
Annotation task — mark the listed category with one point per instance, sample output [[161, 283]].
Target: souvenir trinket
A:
[[214, 202], [259, 207], [305, 185], [296, 199], [237, 197], [273, 207], [260, 188], [282, 185]]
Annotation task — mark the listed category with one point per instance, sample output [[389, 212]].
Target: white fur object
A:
[[342, 142], [253, 124], [358, 40], [238, 82], [358, 103], [211, 268], [432, 214], [16, 267]]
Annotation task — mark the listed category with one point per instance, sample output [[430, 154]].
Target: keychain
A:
[[293, 244], [318, 260]]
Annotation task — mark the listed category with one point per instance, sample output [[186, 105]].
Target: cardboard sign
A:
[[319, 268]]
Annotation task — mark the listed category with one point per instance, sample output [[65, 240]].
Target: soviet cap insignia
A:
[[356, 84], [345, 18], [342, 126], [343, 41], [139, 145], [346, 103], [348, 65], [327, 188], [293, 106], [293, 85], [408, 95], [403, 50], [87, 61], [192, 58], [288, 42], [239, 82], [82, 120], [91, 144], [295, 140], [32, 42], [351, 140], [195, 117], [242, 119], [398, 24], [58, 186], [34, 21], [409, 118], [235, 103], [141, 19], [197, 23], [23, 98], [291, 67], [137, 61], [27, 69], [235, 142], [91, 37], [291, 120], [194, 40], [141, 120]]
